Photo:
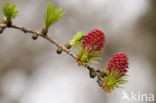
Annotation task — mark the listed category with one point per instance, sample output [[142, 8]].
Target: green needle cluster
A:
[[10, 10], [52, 15]]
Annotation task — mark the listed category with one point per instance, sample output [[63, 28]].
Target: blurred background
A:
[[32, 72]]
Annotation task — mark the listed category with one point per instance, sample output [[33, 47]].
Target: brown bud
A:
[[34, 36], [59, 50], [4, 20], [67, 45]]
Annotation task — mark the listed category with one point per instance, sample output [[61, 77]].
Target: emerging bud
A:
[[10, 11], [116, 72], [77, 39], [92, 46]]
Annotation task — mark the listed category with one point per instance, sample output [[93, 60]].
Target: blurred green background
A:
[[32, 72]]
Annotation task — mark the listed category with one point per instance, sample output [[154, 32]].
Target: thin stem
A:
[[93, 73]]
